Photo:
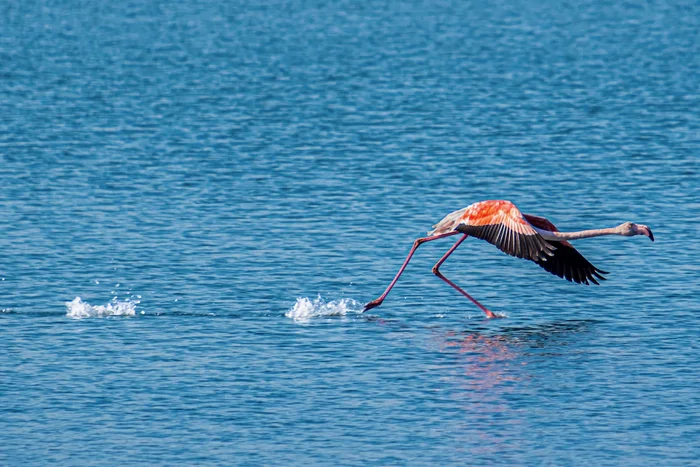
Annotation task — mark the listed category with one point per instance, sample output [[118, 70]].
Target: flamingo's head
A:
[[628, 229]]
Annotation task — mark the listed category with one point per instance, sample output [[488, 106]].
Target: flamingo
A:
[[525, 236]]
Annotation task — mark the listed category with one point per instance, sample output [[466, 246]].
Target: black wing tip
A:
[[596, 274], [569, 264]]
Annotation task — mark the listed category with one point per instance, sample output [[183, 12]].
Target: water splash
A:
[[79, 309], [305, 309]]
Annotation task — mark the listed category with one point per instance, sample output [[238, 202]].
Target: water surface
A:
[[194, 171]]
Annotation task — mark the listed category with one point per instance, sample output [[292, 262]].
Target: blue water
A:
[[181, 181]]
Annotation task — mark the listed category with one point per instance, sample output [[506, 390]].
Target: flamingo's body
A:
[[525, 236]]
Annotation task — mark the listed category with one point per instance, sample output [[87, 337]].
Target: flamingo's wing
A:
[[567, 262], [501, 224]]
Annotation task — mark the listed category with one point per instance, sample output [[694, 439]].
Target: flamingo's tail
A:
[[448, 224]]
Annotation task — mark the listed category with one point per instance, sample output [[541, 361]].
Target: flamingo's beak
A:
[[644, 230]]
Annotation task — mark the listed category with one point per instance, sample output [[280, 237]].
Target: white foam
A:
[[305, 309], [79, 309]]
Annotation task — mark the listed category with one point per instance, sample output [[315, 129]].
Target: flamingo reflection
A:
[[491, 373]]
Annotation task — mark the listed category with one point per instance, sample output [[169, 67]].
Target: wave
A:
[[305, 309], [79, 309]]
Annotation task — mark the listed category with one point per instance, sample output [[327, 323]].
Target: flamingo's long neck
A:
[[559, 236]]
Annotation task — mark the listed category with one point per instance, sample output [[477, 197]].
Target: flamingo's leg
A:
[[416, 244], [436, 271]]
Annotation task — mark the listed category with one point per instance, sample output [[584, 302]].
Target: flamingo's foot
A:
[[372, 304], [492, 315]]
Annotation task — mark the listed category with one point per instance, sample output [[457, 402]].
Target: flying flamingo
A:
[[524, 236]]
